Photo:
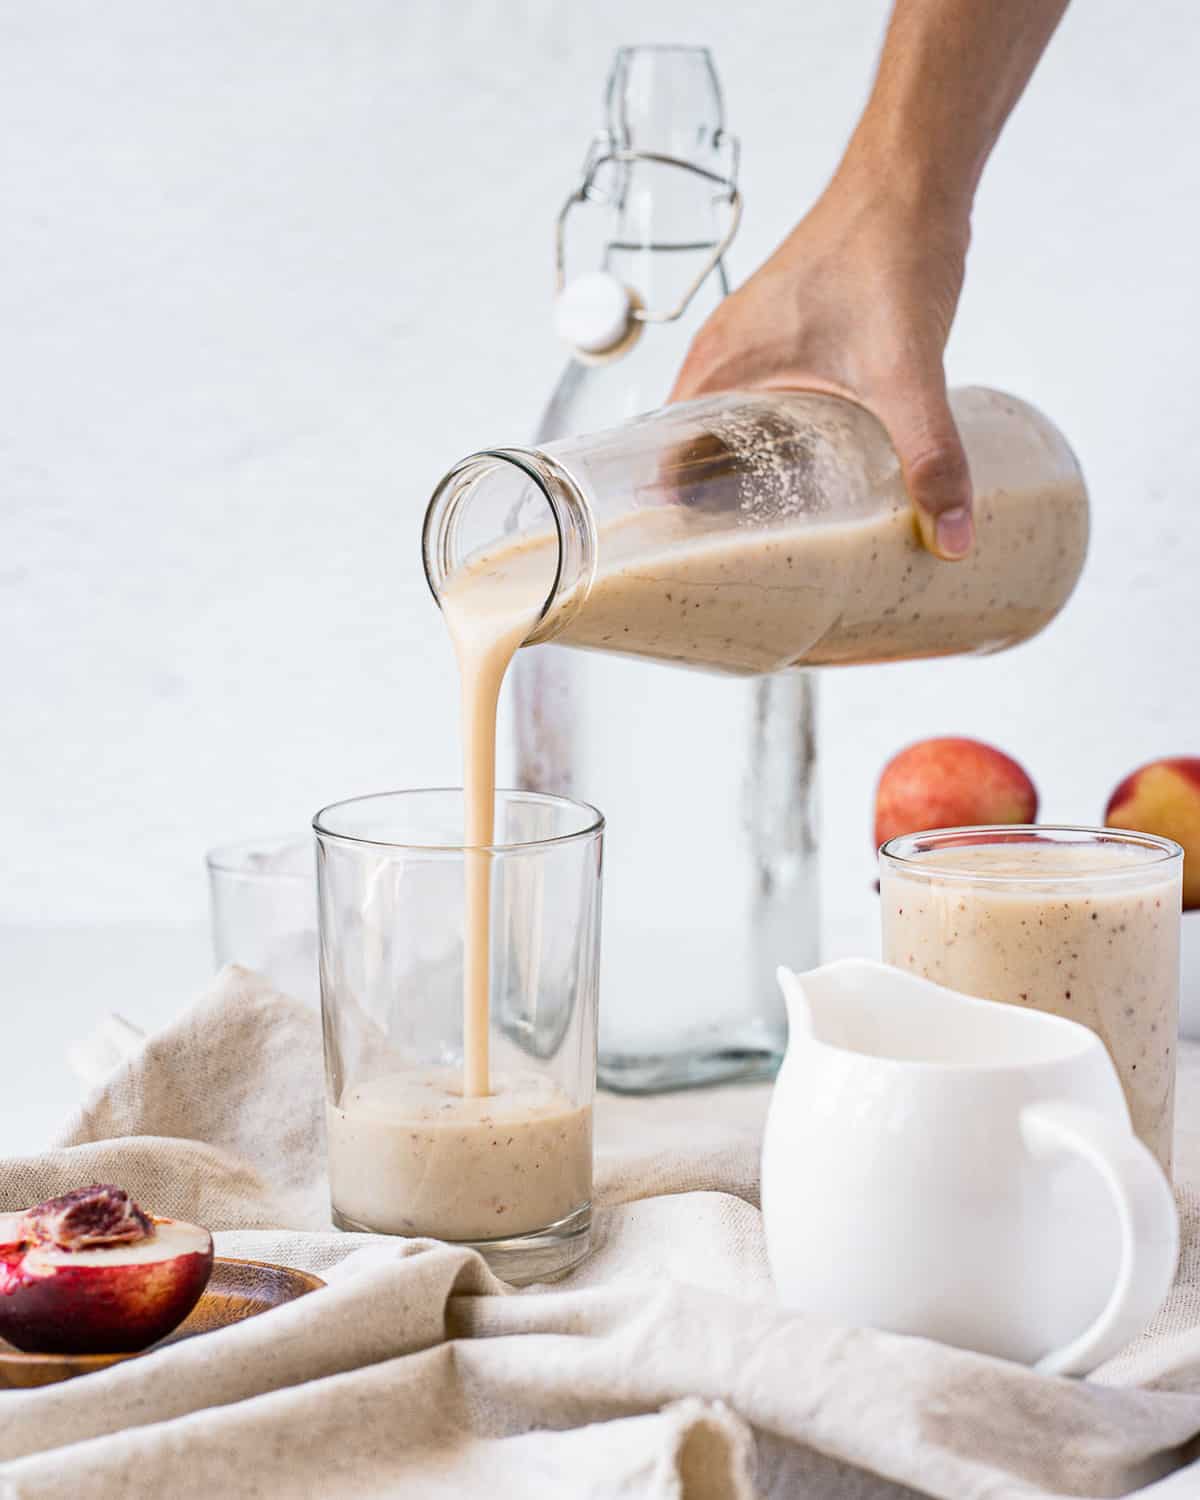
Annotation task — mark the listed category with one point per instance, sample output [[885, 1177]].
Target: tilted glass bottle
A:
[[755, 531]]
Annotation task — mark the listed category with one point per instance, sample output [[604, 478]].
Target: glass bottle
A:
[[697, 902], [756, 531], [747, 533]]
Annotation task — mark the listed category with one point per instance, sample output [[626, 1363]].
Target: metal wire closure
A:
[[600, 154]]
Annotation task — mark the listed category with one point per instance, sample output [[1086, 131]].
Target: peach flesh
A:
[[113, 1298], [951, 783]]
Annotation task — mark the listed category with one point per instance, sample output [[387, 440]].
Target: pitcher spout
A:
[[799, 1011]]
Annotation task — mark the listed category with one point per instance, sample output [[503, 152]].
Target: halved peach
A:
[[90, 1273]]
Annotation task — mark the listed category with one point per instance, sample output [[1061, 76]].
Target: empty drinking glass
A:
[[263, 909]]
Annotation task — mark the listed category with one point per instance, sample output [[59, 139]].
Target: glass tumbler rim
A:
[[228, 858], [916, 853], [593, 824]]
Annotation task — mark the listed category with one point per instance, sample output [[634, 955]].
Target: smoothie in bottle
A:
[[749, 533]]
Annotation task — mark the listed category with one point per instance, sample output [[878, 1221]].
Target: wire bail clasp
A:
[[597, 314]]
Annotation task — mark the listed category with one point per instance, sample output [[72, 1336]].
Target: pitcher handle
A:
[[1149, 1225]]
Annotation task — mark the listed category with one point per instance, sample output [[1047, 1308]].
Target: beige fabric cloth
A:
[[661, 1368]]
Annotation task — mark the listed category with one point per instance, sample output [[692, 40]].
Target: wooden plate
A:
[[237, 1289]]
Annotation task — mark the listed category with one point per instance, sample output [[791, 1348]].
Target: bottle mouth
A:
[[519, 510]]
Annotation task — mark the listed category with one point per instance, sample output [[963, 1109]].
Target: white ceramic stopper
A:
[[592, 312]]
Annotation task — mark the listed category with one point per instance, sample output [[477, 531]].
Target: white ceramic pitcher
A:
[[959, 1169]]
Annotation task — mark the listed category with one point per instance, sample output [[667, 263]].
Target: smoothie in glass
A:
[[1080, 922]]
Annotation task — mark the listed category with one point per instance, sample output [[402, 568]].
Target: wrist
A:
[[932, 190]]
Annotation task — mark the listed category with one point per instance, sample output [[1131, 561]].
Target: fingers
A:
[[934, 466], [741, 348]]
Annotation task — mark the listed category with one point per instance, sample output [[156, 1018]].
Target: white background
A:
[[270, 267]]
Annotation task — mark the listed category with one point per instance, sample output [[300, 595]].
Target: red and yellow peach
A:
[[951, 783]]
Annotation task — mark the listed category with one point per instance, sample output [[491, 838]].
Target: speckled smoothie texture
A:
[[1093, 936], [823, 593], [408, 1154], [759, 569]]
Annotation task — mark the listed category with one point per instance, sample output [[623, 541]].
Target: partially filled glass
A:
[[411, 1152], [1079, 922]]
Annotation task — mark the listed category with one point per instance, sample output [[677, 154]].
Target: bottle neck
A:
[[519, 504], [664, 204]]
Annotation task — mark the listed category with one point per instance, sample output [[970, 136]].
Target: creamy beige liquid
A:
[[808, 593], [1104, 952], [408, 1154], [431, 1151], [488, 618]]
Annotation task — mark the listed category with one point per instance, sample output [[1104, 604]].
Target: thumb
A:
[[934, 465]]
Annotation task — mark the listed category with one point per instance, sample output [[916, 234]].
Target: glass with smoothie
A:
[[458, 991], [1080, 922]]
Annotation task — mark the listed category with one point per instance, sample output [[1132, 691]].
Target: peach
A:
[[1163, 797], [951, 783], [90, 1273]]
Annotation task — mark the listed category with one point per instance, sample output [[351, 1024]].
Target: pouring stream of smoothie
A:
[[487, 618]]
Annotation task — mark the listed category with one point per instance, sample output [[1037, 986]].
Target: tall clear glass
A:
[[700, 908], [1080, 922], [510, 1172]]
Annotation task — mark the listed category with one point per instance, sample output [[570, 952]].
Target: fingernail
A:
[[955, 532]]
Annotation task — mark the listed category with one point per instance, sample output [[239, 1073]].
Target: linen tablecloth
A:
[[661, 1368]]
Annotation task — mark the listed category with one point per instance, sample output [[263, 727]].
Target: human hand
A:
[[858, 301]]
